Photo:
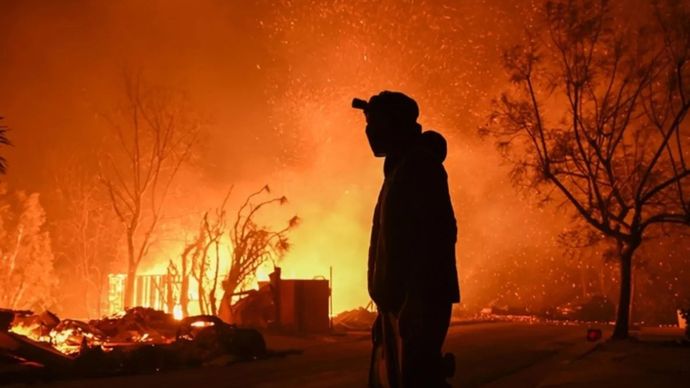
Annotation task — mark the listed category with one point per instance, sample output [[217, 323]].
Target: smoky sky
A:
[[272, 83], [62, 65]]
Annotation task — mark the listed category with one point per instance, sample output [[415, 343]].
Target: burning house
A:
[[290, 305]]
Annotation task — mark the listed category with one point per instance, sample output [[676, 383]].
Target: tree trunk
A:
[[620, 330], [202, 301], [225, 309], [212, 293], [201, 291], [184, 293], [129, 286], [131, 271]]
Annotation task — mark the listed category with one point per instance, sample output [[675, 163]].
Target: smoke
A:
[[273, 83]]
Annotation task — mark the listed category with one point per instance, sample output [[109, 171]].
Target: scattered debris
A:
[[138, 324], [34, 326], [139, 340], [71, 336]]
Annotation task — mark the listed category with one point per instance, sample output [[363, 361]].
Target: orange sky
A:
[[274, 84]]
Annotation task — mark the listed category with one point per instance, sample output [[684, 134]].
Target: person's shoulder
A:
[[430, 150], [434, 145], [420, 163]]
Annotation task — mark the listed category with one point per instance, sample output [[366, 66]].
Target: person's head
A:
[[391, 121]]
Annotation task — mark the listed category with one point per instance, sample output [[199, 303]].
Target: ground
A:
[[656, 359], [488, 355]]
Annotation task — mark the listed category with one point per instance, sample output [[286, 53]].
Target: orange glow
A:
[[270, 84], [202, 324], [177, 312], [32, 332]]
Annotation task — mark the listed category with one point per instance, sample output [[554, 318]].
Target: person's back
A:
[[415, 245], [412, 271]]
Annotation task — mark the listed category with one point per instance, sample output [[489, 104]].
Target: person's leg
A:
[[384, 369], [376, 353], [422, 342]]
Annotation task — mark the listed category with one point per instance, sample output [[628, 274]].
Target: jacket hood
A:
[[435, 144]]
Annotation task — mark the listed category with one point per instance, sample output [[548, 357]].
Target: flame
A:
[[67, 340], [70, 341], [177, 312], [202, 324], [30, 331]]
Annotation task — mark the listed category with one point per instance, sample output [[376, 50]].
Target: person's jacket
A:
[[412, 249]]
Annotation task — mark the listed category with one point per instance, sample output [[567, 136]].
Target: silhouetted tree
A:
[[252, 246], [597, 116], [187, 258], [199, 263], [153, 138], [205, 267], [215, 229]]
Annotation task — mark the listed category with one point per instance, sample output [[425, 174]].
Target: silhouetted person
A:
[[412, 276]]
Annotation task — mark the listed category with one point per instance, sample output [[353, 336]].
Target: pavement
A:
[[655, 358], [499, 354]]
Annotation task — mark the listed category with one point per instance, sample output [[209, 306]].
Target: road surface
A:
[[488, 354]]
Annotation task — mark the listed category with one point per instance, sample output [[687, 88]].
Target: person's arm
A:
[[373, 246]]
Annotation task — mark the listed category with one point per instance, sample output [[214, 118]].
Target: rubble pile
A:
[[359, 319], [139, 340], [138, 324]]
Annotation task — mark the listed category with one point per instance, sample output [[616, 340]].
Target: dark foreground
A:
[[488, 354]]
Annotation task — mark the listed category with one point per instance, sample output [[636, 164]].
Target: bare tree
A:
[[153, 138], [252, 246], [83, 235], [215, 230], [187, 259], [211, 233], [197, 262], [597, 117]]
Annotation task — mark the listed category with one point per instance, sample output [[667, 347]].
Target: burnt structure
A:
[[291, 305]]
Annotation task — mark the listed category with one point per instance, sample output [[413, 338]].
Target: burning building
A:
[[292, 305]]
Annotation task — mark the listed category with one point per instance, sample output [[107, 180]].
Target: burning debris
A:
[[138, 324], [138, 340], [71, 336], [35, 326]]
